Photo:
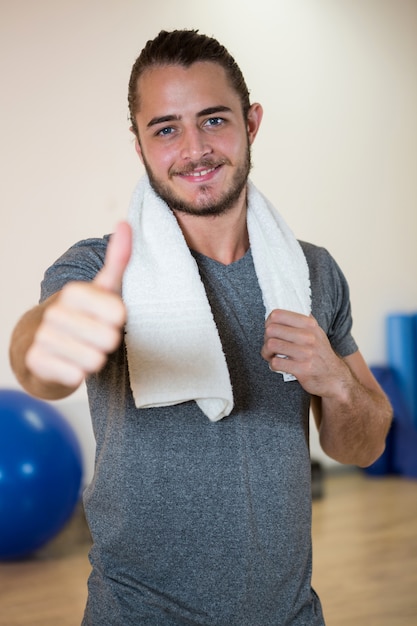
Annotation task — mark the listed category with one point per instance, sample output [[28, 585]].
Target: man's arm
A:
[[353, 427], [351, 411], [57, 343]]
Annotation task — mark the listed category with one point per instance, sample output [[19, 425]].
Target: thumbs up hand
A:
[[118, 253], [82, 324]]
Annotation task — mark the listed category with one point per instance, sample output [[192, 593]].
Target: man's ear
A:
[[137, 144], [254, 120]]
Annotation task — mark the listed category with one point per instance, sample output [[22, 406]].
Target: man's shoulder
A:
[[81, 261], [92, 243], [93, 248], [325, 273], [314, 254]]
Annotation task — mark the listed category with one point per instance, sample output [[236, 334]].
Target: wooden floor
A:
[[365, 561], [365, 551]]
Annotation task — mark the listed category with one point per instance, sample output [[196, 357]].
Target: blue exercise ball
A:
[[40, 473]]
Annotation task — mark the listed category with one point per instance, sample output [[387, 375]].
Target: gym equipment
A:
[[40, 473]]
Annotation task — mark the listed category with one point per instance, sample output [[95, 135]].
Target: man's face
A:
[[193, 138]]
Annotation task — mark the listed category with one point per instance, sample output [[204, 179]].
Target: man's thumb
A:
[[118, 254]]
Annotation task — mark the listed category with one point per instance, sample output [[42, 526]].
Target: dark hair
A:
[[183, 47]]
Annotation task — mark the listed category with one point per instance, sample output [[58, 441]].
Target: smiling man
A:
[[205, 332], [197, 159]]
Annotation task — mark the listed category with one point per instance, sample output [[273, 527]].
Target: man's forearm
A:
[[353, 429]]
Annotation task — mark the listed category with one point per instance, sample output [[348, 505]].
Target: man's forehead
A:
[[167, 89]]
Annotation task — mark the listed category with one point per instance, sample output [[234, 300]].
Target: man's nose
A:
[[194, 144]]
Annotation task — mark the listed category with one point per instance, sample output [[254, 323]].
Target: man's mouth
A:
[[197, 174], [199, 171]]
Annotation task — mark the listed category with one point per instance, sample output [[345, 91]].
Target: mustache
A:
[[201, 164]]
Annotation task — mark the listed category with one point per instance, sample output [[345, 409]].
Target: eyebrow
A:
[[176, 118]]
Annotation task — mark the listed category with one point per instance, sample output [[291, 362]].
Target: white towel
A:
[[173, 346]]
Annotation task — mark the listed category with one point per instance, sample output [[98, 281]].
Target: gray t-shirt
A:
[[200, 523]]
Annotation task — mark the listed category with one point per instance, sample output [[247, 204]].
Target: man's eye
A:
[[164, 132], [214, 121]]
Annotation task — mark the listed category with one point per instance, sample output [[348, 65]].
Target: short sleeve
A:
[[81, 262], [330, 299]]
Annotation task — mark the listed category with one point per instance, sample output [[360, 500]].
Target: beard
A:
[[206, 206]]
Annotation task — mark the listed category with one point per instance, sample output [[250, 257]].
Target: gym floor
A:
[[365, 560]]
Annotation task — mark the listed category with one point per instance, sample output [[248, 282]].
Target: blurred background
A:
[[336, 153]]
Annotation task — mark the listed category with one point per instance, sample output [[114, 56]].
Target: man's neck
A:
[[223, 238]]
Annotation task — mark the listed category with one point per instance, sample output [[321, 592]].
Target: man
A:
[[200, 505]]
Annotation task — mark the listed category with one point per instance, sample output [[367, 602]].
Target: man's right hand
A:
[[76, 329]]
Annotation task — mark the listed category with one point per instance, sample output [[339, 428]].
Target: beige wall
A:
[[337, 151]]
